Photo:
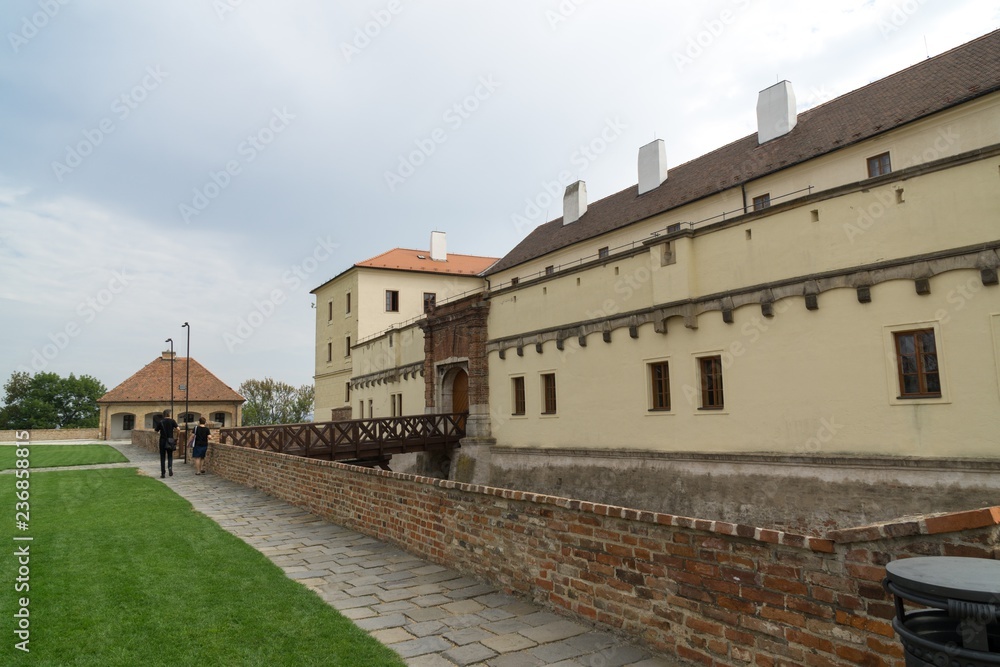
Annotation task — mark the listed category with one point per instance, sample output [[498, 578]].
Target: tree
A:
[[272, 402], [46, 400]]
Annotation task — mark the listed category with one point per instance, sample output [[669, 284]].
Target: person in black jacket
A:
[[167, 429], [200, 446]]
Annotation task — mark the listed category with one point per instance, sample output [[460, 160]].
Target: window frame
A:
[[602, 253], [652, 386], [713, 364], [922, 374], [128, 422], [329, 351], [431, 302], [392, 301], [876, 163], [894, 388], [518, 397], [347, 303], [347, 351], [546, 394], [760, 202]]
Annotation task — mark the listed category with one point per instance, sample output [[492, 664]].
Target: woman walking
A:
[[200, 446]]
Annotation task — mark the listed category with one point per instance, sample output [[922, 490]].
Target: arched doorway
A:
[[460, 392]]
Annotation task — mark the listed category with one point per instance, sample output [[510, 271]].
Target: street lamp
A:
[[187, 389], [171, 341]]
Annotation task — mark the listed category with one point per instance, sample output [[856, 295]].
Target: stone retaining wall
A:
[[709, 592], [54, 434]]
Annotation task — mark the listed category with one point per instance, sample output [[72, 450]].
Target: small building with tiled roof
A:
[[135, 402], [372, 299]]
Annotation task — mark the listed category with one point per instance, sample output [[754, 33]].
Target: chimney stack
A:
[[775, 112], [168, 355], [574, 202], [652, 166], [439, 247]]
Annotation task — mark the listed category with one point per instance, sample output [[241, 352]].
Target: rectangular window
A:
[[917, 364], [879, 165], [602, 253], [392, 301], [548, 393], [659, 375], [371, 410], [762, 201], [128, 422], [430, 300], [361, 409], [347, 302], [517, 398], [549, 270], [513, 282], [711, 382], [347, 392], [392, 405], [329, 352], [399, 405], [347, 351], [329, 311]]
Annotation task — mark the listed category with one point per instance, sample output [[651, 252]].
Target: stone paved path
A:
[[430, 615]]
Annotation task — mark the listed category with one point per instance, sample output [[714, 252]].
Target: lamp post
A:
[[187, 390], [171, 341]]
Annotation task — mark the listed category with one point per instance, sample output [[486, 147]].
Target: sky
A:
[[212, 161]]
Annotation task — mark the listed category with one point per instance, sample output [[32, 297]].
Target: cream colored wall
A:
[[331, 375], [377, 355], [412, 389], [411, 285], [944, 209], [802, 382], [945, 134]]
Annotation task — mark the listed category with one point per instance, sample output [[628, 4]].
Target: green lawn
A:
[[49, 456], [123, 571]]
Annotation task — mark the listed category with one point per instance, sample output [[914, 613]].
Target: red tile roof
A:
[[152, 385], [404, 259], [960, 75]]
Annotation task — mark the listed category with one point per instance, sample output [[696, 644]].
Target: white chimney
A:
[[439, 247], [652, 166], [775, 112], [574, 202]]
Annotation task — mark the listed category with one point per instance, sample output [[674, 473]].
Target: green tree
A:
[[272, 402], [46, 400]]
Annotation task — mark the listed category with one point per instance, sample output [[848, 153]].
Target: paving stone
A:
[[392, 635], [431, 600], [356, 602], [389, 607], [429, 660], [519, 659], [463, 621], [495, 614], [615, 656], [539, 618], [462, 607], [381, 622], [359, 613], [520, 608], [425, 628], [553, 632], [471, 591], [416, 647], [420, 614], [496, 599], [556, 651], [467, 635], [506, 627], [468, 655], [594, 641], [508, 643]]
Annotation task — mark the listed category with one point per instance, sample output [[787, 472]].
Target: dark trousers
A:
[[166, 459]]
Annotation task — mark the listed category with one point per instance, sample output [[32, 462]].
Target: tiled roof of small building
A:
[[933, 85], [152, 385], [405, 259]]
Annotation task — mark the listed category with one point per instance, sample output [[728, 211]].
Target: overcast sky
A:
[[212, 161]]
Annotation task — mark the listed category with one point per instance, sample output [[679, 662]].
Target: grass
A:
[[50, 456], [124, 571]]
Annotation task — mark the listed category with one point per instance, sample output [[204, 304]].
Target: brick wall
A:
[[55, 434], [709, 592]]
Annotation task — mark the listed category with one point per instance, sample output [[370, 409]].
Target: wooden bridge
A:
[[366, 442]]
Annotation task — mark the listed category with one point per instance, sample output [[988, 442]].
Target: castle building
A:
[[808, 313]]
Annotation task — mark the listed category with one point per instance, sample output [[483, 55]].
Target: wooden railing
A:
[[371, 441]]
